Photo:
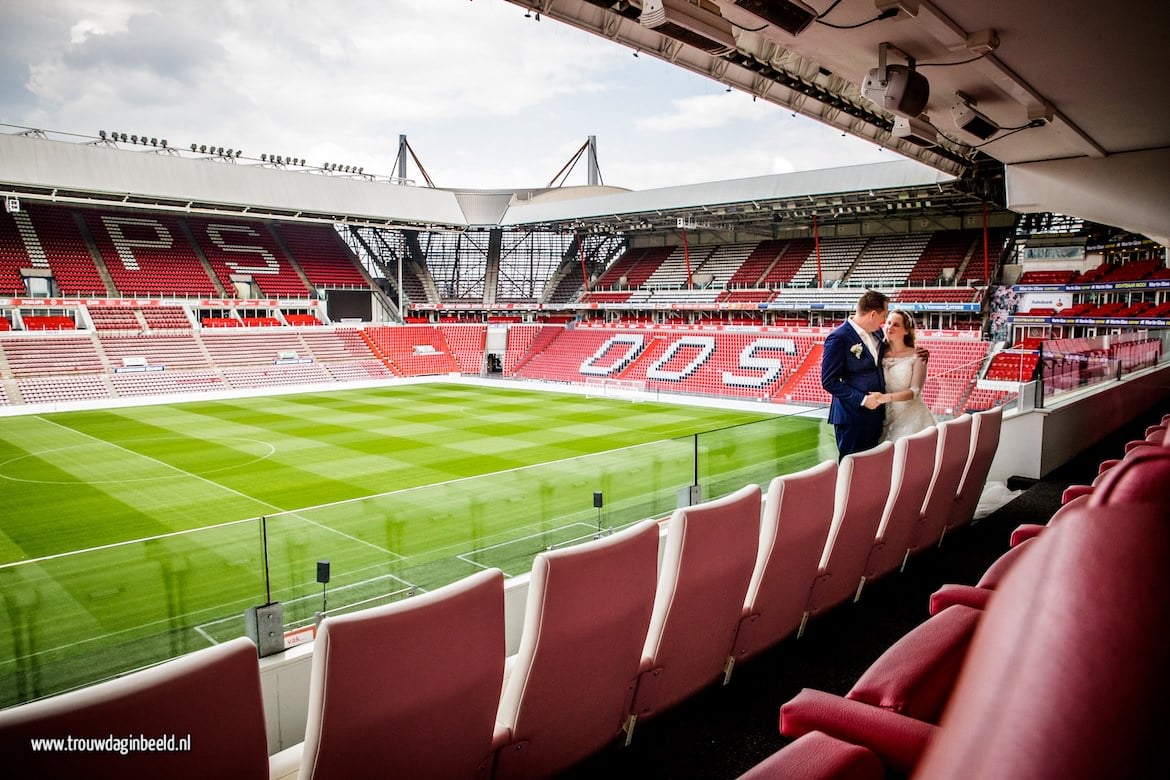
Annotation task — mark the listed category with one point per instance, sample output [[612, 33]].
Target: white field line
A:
[[198, 627], [299, 599], [276, 509], [464, 556]]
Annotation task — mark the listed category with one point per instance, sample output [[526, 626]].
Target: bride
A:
[[905, 371]]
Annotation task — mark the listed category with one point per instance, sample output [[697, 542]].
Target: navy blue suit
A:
[[849, 374]]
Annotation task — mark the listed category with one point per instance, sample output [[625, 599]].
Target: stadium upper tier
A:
[[100, 253], [63, 251]]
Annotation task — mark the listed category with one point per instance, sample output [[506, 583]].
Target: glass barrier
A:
[[782, 445], [1071, 364], [73, 619]]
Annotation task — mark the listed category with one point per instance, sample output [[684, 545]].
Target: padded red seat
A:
[[979, 594], [912, 679], [916, 675], [899, 741], [1143, 477], [817, 755], [1066, 675]]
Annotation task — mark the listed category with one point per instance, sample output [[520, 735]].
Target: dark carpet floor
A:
[[725, 730]]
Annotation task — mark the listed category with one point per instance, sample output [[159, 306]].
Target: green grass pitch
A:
[[131, 535]]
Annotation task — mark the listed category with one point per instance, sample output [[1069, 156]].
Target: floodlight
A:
[[792, 16], [971, 120], [916, 130], [689, 24]]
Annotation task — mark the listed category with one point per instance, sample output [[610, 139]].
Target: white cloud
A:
[[702, 112], [488, 98]]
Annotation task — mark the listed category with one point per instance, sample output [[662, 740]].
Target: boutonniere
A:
[[856, 350]]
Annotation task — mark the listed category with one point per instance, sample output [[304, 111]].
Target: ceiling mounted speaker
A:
[[898, 89]]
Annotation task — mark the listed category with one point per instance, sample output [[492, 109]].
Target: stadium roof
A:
[[792, 196], [1090, 76], [36, 166], [105, 174]]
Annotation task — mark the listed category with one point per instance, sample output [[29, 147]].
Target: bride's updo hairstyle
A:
[[908, 324]]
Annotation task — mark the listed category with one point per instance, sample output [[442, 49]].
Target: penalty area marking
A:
[[197, 627], [465, 556], [202, 628]]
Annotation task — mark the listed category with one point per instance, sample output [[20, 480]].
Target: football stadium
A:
[[309, 471]]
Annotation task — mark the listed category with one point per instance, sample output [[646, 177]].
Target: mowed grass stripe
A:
[[88, 491], [316, 457]]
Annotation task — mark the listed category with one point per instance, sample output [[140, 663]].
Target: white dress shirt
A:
[[868, 339]]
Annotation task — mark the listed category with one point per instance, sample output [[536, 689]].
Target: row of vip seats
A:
[[1052, 665], [612, 636]]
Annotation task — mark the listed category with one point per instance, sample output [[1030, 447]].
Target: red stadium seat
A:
[[706, 567], [798, 509], [210, 697], [863, 487]]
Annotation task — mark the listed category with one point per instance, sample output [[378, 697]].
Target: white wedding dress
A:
[[905, 417]]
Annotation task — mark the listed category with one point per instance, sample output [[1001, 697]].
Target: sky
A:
[[488, 99]]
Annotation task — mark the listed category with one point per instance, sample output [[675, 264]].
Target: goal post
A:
[[620, 389]]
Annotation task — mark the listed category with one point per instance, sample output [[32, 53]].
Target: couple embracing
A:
[[875, 375]]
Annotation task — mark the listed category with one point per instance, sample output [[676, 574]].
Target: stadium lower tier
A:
[[777, 365]]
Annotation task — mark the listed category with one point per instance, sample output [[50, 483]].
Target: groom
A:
[[851, 372]]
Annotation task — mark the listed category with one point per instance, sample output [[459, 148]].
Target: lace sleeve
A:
[[918, 377]]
